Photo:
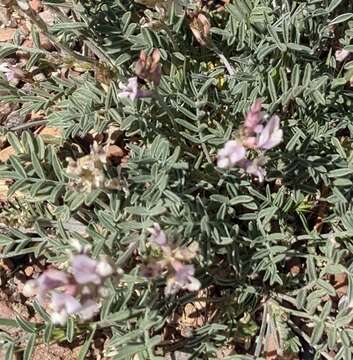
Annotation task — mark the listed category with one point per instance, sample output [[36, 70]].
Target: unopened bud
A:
[[104, 269]]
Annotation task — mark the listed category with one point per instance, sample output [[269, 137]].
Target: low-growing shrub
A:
[[192, 188]]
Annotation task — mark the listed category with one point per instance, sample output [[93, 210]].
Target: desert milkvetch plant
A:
[[261, 188], [254, 135]]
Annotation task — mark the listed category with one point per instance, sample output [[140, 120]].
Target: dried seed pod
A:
[[148, 67], [200, 27]]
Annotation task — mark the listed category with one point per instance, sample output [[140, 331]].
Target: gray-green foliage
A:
[[249, 234]]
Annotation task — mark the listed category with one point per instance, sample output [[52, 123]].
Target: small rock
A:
[[178, 355], [47, 17], [36, 5], [5, 16], [27, 88], [6, 34]]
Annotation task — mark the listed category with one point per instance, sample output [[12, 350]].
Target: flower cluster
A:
[[175, 262], [147, 69], [88, 171], [77, 292], [256, 134], [12, 73]]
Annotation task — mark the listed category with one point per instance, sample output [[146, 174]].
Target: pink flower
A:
[[88, 309], [158, 236], [231, 153], [75, 293], [51, 279], [254, 118], [341, 54], [132, 91], [84, 270], [254, 167], [13, 73], [271, 135], [255, 135], [63, 306], [87, 270], [183, 278]]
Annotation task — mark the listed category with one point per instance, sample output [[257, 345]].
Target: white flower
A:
[[341, 54], [271, 135], [231, 153], [132, 91], [104, 269]]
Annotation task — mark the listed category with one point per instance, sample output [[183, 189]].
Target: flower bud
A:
[[104, 269]]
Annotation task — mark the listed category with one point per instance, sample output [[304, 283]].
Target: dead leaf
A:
[[44, 42], [47, 16], [341, 284], [51, 132], [6, 34], [6, 153], [5, 110], [4, 188], [34, 116]]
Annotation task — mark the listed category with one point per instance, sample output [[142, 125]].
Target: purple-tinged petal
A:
[[341, 55], [158, 236], [51, 279], [65, 302], [104, 269], [184, 278], [257, 171], [89, 309], [30, 288], [59, 318], [132, 91], [182, 272], [84, 270], [231, 153], [254, 167], [194, 284], [271, 135]]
